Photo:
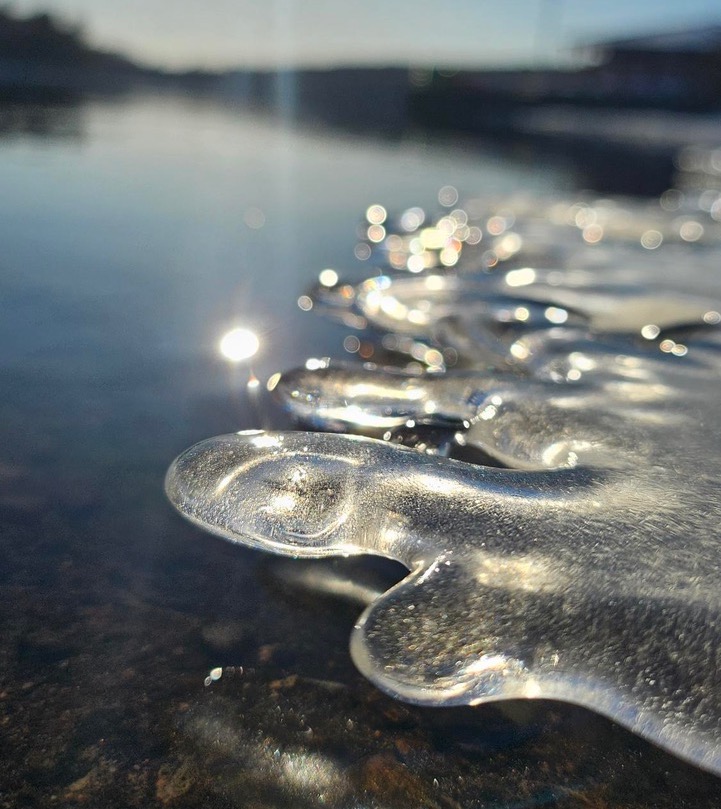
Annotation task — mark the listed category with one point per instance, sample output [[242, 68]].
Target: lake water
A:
[[133, 234]]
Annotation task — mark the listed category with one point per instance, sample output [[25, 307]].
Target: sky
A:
[[264, 33]]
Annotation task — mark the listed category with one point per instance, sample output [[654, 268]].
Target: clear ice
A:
[[586, 566]]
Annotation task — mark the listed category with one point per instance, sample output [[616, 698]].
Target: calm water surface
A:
[[133, 234]]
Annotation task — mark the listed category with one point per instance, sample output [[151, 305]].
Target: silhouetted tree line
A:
[[45, 39]]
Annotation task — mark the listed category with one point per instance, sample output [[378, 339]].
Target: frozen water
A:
[[588, 568]]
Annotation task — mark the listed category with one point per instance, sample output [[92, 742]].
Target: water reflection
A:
[[63, 120]]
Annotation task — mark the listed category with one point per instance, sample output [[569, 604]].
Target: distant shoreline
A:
[[618, 110]]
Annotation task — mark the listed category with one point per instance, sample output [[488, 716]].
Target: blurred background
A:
[[172, 173]]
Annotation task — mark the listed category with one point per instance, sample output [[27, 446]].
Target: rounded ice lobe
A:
[[255, 488]]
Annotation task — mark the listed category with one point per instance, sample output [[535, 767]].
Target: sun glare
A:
[[238, 345]]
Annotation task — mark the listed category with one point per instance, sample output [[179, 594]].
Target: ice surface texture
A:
[[586, 570]]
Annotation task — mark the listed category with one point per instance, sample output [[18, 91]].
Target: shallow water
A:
[[130, 245]]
